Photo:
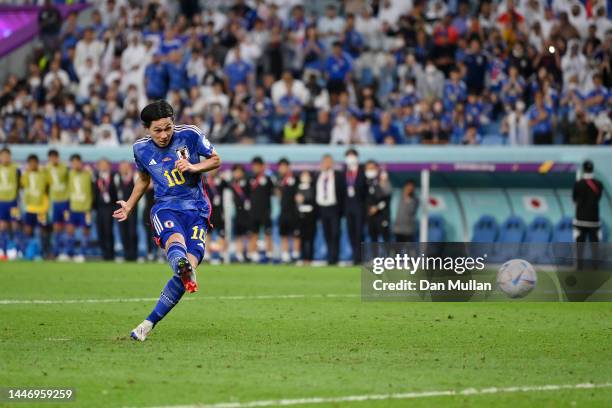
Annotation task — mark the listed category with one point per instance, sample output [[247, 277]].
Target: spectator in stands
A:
[[540, 121], [88, 47], [49, 25]]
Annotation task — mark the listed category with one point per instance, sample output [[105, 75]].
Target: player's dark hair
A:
[[588, 166], [257, 160], [411, 181], [53, 153], [155, 111], [284, 160], [352, 151], [5, 150], [32, 157], [372, 162], [76, 156], [238, 167]]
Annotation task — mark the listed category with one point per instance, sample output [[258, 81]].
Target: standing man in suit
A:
[[105, 197], [124, 181], [330, 191], [354, 203]]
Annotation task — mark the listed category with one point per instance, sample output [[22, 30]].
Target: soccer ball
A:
[[516, 278]]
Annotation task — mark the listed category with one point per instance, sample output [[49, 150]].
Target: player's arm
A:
[[210, 163], [140, 187]]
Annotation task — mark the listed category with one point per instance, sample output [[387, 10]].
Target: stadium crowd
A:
[[47, 210], [352, 72]]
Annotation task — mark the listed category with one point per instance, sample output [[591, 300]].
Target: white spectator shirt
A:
[[93, 50], [52, 75]]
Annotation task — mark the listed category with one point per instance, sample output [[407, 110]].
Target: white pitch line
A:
[[131, 300], [395, 396]]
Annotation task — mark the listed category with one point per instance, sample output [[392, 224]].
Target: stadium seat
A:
[[436, 232], [484, 235], [486, 229], [511, 236], [539, 235], [563, 231]]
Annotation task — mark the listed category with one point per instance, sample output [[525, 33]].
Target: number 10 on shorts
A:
[[199, 233]]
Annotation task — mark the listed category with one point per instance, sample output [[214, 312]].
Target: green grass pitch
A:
[[264, 345]]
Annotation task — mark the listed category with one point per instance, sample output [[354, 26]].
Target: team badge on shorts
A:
[[182, 153]]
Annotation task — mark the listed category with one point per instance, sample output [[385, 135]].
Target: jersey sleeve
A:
[[203, 145], [137, 158]]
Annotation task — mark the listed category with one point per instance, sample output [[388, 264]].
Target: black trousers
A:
[[378, 226], [591, 235], [404, 237], [308, 228], [354, 221], [106, 239], [129, 237], [330, 218]]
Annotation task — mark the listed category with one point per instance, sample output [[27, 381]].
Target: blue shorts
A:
[[61, 212], [80, 219], [9, 211], [35, 219], [190, 224]]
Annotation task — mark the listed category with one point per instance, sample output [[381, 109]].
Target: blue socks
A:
[[170, 296], [57, 243], [176, 250]]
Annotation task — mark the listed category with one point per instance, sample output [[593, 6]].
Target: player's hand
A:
[[122, 213], [183, 165], [372, 210]]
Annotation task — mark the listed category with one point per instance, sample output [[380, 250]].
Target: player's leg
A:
[[253, 238], [3, 239]]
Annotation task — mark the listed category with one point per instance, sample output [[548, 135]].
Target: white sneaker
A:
[[141, 332], [78, 258], [63, 258]]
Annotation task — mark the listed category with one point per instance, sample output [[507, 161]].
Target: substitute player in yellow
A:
[[57, 173], [36, 201], [80, 194], [9, 209]]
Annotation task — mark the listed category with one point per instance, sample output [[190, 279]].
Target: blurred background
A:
[[476, 117]]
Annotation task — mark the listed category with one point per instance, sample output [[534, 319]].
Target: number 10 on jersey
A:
[[174, 177]]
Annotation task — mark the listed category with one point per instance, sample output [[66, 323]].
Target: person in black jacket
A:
[[262, 188], [354, 202], [330, 192], [306, 204], [586, 195], [124, 182], [241, 193], [288, 220], [215, 186], [105, 197], [378, 199]]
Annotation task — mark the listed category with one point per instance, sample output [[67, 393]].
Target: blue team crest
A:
[[182, 153]]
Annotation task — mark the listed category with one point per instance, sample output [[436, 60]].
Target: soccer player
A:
[[241, 193], [170, 157], [35, 197], [80, 193], [57, 173], [9, 209]]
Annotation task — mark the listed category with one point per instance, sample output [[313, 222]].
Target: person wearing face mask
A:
[[378, 197], [305, 198], [354, 202]]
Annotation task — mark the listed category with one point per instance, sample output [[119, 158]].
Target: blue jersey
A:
[[175, 190]]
